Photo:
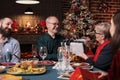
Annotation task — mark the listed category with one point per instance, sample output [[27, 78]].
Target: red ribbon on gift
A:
[[76, 75]]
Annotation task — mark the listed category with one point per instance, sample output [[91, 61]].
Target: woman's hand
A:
[[83, 55], [102, 73]]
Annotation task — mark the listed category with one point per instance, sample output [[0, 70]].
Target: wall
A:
[[94, 4], [104, 16], [53, 7]]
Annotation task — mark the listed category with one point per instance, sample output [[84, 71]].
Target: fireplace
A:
[[26, 48], [26, 42]]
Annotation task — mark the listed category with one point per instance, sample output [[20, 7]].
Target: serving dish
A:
[[25, 68]]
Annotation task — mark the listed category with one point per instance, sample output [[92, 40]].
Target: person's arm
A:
[[16, 52], [101, 73], [84, 56], [104, 59]]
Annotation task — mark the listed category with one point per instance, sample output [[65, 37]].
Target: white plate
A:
[[9, 64], [63, 77], [46, 62], [83, 65], [2, 69]]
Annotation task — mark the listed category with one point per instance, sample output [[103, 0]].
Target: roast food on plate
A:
[[26, 67]]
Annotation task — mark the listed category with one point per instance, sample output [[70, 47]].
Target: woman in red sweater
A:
[[114, 71]]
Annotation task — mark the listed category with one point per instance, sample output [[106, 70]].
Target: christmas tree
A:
[[79, 20]]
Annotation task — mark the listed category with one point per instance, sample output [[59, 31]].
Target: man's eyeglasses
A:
[[54, 23]]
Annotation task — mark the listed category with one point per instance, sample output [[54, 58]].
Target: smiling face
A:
[[52, 24], [6, 27]]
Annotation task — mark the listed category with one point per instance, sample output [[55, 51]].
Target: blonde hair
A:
[[103, 28]]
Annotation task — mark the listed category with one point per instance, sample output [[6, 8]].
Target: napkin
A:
[[64, 65]]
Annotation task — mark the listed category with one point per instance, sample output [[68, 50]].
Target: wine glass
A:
[[68, 59], [43, 53]]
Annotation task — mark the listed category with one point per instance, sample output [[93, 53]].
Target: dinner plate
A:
[[83, 65], [46, 62], [9, 64], [2, 69], [63, 77]]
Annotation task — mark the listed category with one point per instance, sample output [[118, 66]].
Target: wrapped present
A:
[[76, 75]]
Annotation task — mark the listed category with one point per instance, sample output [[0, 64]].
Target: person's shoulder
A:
[[13, 40], [60, 36], [43, 35], [108, 46]]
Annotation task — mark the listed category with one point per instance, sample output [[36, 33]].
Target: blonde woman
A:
[[103, 55]]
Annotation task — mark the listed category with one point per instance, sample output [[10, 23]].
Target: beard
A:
[[6, 32]]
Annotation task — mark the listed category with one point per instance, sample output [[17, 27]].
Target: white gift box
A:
[[77, 48]]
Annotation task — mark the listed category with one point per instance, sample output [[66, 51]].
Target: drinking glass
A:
[[34, 52], [7, 57], [60, 59], [1, 58], [59, 55], [68, 59], [43, 53]]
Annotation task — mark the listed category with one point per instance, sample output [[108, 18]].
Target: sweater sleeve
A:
[[104, 59]]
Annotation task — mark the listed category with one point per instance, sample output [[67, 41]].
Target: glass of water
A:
[[7, 56], [60, 59]]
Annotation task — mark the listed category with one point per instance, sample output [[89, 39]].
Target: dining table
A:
[[49, 74], [52, 74]]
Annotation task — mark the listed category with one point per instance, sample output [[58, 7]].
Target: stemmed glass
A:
[[43, 53], [68, 59]]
